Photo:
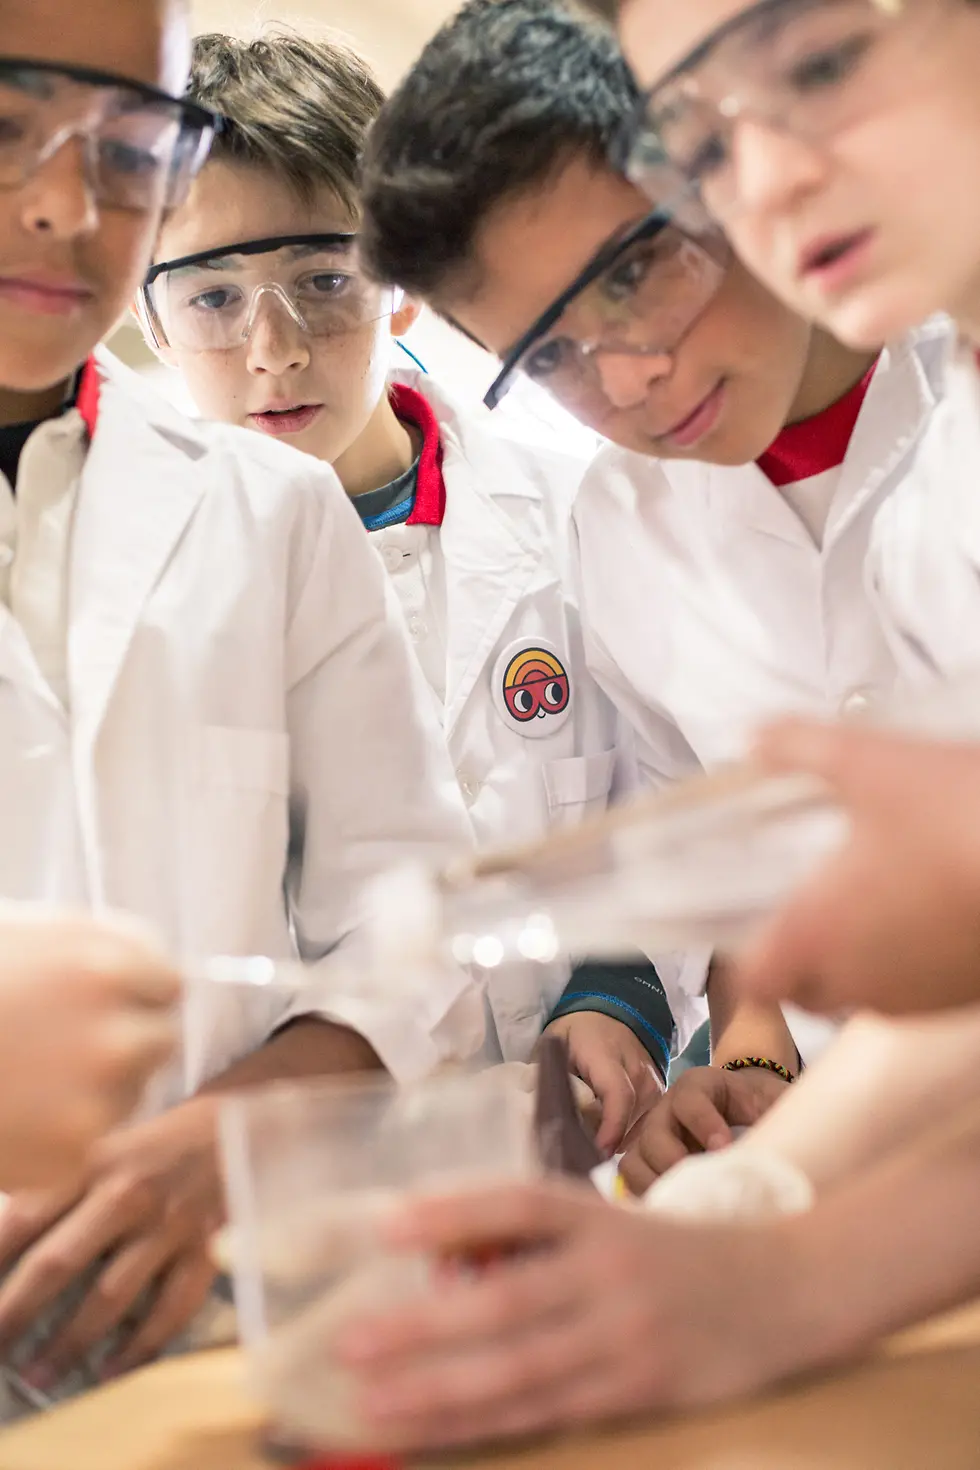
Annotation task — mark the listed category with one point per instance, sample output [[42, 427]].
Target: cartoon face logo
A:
[[535, 685]]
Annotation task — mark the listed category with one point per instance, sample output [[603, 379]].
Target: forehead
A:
[[230, 203], [148, 40], [657, 34], [531, 248]]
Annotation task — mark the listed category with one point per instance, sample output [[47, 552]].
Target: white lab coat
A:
[[924, 561], [495, 579], [248, 737], [708, 608]]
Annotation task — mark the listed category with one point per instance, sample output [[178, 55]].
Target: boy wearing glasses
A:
[[209, 713], [801, 126], [721, 561], [258, 296]]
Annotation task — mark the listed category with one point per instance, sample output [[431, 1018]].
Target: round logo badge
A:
[[531, 689]]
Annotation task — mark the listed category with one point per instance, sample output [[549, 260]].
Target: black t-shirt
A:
[[375, 503]]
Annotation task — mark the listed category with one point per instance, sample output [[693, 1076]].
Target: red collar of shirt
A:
[[87, 400], [430, 490], [818, 444]]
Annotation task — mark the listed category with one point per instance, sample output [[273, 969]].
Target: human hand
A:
[[601, 1312], [892, 921], [136, 1234], [696, 1115], [615, 1065], [87, 1014]]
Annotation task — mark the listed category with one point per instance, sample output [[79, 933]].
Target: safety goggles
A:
[[141, 146], [211, 301], [808, 68], [638, 297]]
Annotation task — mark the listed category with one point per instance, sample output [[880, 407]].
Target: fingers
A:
[[55, 1260], [108, 1303], [505, 1298], [29, 1214], [691, 1116], [519, 1214], [697, 1114], [606, 1076], [496, 1386], [870, 769], [652, 1147], [181, 1296]]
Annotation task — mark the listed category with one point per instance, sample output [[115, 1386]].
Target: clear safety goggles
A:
[[211, 301], [807, 68], [638, 297], [141, 146]]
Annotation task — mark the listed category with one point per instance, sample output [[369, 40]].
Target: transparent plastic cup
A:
[[312, 1172]]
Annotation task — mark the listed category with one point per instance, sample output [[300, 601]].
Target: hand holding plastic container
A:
[[312, 1173]]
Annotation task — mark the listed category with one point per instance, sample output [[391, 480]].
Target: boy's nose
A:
[[58, 199], [276, 343], [772, 167], [626, 377]]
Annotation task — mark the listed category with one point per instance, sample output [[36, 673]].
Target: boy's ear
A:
[[162, 354], [405, 316]]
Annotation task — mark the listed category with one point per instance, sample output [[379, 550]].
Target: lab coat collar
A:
[[904, 390], [489, 556], [140, 486]]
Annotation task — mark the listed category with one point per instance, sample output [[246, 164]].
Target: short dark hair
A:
[[298, 107], [501, 97], [607, 9]]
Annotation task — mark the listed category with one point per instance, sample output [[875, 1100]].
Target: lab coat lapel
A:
[[488, 563], [901, 396], [140, 486]]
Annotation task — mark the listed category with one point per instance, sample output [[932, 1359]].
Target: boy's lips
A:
[[830, 261], [695, 425], [291, 420], [47, 295]]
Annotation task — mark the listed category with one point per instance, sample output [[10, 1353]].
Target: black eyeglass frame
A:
[[246, 247], [193, 113], [645, 229]]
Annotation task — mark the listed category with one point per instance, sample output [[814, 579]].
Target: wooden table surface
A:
[[915, 1408]]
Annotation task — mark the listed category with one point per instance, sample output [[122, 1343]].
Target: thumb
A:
[[862, 766]]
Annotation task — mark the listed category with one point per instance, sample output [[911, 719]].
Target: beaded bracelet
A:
[[741, 1064]]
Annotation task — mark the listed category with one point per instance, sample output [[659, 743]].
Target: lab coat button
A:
[[418, 629], [6, 556], [393, 558], [857, 703]]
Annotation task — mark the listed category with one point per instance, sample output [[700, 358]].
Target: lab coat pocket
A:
[[578, 785]]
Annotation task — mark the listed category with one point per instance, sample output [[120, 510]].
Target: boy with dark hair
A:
[[210, 716], [721, 573], [258, 297]]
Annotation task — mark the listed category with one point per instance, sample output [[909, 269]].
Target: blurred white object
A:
[[731, 1185]]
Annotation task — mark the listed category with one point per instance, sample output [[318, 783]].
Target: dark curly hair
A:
[[498, 100]]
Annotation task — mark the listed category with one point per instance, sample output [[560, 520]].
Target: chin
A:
[[880, 313], [34, 369]]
